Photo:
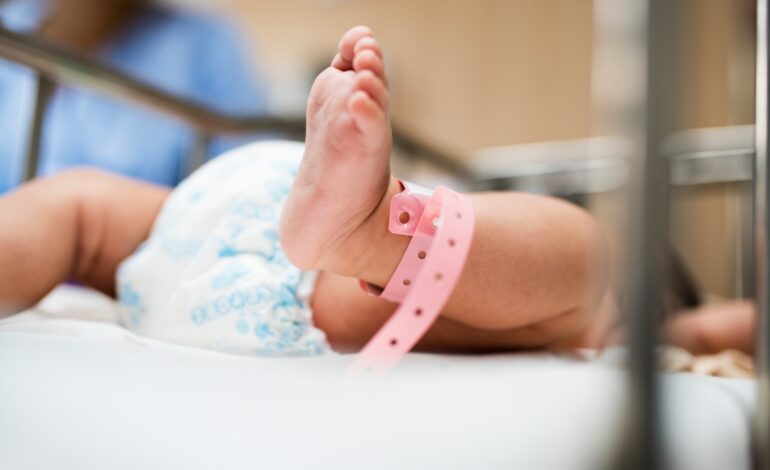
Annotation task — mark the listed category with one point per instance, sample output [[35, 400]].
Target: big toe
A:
[[344, 59]]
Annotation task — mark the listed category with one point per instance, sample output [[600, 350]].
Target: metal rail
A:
[[647, 238], [65, 67], [762, 254], [43, 90], [643, 33], [62, 66]]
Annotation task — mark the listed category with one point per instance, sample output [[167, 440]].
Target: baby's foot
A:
[[345, 172]]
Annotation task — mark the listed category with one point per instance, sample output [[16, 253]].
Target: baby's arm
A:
[[713, 328], [79, 224]]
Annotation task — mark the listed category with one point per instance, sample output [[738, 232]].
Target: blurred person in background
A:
[[196, 58]]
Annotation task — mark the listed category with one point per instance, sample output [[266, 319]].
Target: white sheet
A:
[[88, 394]]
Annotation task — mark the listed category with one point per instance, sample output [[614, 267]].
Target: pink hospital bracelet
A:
[[447, 224], [406, 208]]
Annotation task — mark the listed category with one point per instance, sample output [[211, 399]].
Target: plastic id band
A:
[[447, 220], [406, 209]]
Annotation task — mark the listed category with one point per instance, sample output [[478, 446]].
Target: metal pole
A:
[[762, 255], [197, 155], [43, 90], [642, 446], [635, 44], [649, 236]]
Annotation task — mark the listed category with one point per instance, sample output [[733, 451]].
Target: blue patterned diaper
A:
[[212, 273]]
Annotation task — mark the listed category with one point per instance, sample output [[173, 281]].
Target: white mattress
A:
[[78, 391]]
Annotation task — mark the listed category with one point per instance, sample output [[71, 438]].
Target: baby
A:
[[239, 258]]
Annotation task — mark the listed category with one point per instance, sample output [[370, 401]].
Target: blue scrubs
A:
[[190, 56]]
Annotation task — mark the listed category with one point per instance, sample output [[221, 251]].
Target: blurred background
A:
[[503, 87], [470, 75]]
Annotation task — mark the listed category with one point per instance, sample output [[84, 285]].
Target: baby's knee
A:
[[62, 193], [595, 263], [78, 182], [87, 193], [83, 196]]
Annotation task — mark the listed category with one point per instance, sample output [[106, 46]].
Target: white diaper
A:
[[212, 274]]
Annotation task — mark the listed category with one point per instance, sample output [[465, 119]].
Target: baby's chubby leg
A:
[[79, 224], [537, 269], [535, 277]]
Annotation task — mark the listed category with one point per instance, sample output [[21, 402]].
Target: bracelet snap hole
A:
[[421, 255], [403, 218], [406, 282], [451, 242], [438, 276], [459, 215], [418, 312], [393, 341]]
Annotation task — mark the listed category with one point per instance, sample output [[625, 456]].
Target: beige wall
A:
[[465, 74], [718, 66]]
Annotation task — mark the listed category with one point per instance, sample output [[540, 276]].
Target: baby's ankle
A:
[[371, 252]]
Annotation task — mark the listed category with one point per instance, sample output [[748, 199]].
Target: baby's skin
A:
[[536, 274], [537, 270]]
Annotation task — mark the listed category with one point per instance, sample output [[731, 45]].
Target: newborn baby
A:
[[261, 250]]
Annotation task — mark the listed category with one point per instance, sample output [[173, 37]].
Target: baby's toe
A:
[[367, 113], [368, 43], [348, 43], [370, 83], [369, 60], [340, 63]]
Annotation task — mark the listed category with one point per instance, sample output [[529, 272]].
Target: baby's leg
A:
[[535, 276], [79, 224], [350, 318], [537, 269], [711, 329]]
